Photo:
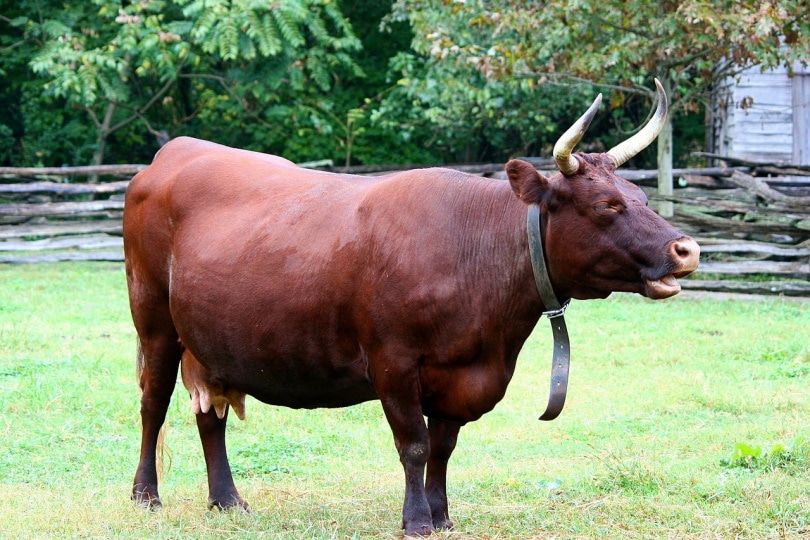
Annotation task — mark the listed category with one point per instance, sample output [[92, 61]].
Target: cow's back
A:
[[189, 177], [198, 190]]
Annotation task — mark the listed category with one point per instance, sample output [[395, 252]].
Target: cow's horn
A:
[[567, 163], [620, 153]]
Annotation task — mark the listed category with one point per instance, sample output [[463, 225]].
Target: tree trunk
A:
[[101, 140]]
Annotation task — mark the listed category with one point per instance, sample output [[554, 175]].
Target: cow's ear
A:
[[529, 185]]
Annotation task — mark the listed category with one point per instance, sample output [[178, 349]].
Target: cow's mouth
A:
[[685, 254], [664, 287]]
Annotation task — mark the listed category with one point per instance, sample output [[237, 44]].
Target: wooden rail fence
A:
[[752, 220]]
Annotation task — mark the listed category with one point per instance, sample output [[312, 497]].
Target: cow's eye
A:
[[605, 207]]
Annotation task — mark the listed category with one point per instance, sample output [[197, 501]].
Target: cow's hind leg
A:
[[222, 491], [159, 358], [211, 403], [443, 436]]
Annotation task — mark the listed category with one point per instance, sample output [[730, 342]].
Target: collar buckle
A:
[[554, 313]]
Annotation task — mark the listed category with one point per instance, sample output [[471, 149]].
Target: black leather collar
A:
[[561, 358]]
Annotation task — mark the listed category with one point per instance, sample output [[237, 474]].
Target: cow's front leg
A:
[[400, 398], [443, 436], [222, 491], [413, 445]]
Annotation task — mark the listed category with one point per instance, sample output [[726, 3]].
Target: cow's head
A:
[[599, 235]]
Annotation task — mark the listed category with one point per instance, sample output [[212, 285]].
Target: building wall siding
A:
[[763, 116]]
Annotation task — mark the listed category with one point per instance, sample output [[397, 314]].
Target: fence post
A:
[[665, 208]]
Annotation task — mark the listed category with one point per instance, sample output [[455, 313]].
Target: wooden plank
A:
[[763, 107], [765, 143], [22, 220], [785, 175], [748, 213], [113, 256], [768, 112], [112, 170], [686, 216], [758, 154], [718, 198], [764, 87], [17, 212], [773, 125], [90, 241], [801, 118], [752, 247], [785, 288], [58, 188], [61, 208], [704, 181], [59, 228], [751, 163], [637, 175], [756, 267], [766, 192]]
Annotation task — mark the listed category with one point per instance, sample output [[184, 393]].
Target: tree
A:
[[472, 117], [620, 45], [161, 64], [344, 120], [52, 130]]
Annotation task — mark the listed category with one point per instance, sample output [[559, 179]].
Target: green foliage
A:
[[753, 458], [179, 66], [626, 42], [437, 81], [6, 143], [618, 46], [54, 134], [103, 80], [473, 116]]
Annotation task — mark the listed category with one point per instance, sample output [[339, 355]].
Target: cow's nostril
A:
[[686, 252], [682, 250]]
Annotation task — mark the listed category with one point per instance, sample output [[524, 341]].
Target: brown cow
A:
[[309, 289]]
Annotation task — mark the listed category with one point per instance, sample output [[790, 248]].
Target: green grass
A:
[[688, 418]]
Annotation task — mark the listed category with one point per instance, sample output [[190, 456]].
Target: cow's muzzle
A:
[[684, 255]]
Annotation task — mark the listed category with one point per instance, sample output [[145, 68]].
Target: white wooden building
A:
[[763, 116]]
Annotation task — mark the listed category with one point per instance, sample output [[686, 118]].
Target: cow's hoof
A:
[[146, 499], [235, 504], [443, 524], [418, 531]]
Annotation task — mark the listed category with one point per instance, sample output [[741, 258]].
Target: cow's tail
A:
[[139, 362], [162, 464]]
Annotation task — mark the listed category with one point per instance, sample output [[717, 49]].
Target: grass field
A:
[[687, 419]]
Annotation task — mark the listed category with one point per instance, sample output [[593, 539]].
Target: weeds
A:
[[753, 458]]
